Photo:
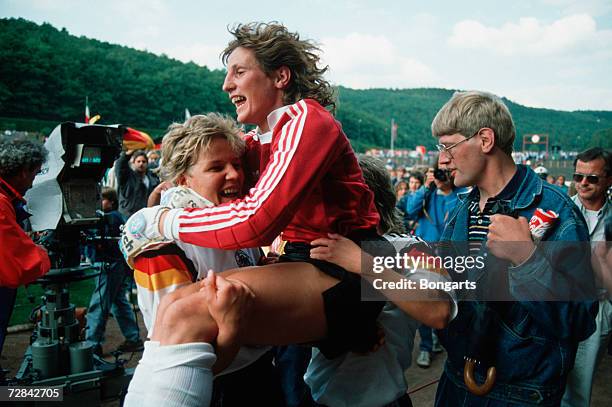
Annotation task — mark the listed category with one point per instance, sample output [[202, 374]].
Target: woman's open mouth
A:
[[238, 101], [229, 193]]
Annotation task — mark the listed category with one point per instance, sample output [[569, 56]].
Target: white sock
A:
[[139, 385], [173, 375]]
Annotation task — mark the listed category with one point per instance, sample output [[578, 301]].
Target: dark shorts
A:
[[351, 323], [257, 384]]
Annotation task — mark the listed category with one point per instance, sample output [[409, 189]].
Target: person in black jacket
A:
[[134, 182]]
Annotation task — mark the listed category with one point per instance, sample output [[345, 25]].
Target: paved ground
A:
[[423, 382]]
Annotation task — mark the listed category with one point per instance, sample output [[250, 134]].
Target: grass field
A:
[[80, 293]]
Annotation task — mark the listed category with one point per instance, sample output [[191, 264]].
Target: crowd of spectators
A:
[[406, 180]]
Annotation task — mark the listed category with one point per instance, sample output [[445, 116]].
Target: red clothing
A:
[[21, 260], [310, 184]]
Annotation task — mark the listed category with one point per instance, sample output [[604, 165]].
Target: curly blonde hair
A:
[[184, 142], [274, 46]]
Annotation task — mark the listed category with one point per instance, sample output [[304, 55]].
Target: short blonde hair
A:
[[468, 112], [184, 142]]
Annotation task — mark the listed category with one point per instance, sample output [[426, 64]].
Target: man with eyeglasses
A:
[[510, 321], [592, 177]]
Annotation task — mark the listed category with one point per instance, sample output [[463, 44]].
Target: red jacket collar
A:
[[10, 191]]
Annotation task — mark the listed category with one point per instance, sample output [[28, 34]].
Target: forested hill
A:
[[45, 74], [414, 109]]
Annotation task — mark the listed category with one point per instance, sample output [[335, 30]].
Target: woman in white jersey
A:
[[203, 158]]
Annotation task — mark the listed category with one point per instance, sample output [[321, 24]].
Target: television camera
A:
[[65, 203]]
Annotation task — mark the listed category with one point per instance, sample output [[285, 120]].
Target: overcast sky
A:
[[542, 53]]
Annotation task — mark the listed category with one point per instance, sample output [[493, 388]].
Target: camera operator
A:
[[113, 284], [430, 206], [22, 260]]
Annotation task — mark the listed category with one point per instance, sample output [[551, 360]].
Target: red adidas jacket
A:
[[309, 184]]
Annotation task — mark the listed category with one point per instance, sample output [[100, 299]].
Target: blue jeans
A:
[[111, 288], [426, 338], [450, 395], [292, 362]]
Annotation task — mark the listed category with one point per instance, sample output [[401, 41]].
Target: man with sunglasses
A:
[[511, 321], [592, 177]]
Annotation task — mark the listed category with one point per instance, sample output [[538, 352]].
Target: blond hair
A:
[[184, 142], [468, 112]]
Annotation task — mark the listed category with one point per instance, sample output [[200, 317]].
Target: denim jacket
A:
[[537, 339]]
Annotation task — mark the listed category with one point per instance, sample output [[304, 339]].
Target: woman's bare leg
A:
[[288, 307]]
